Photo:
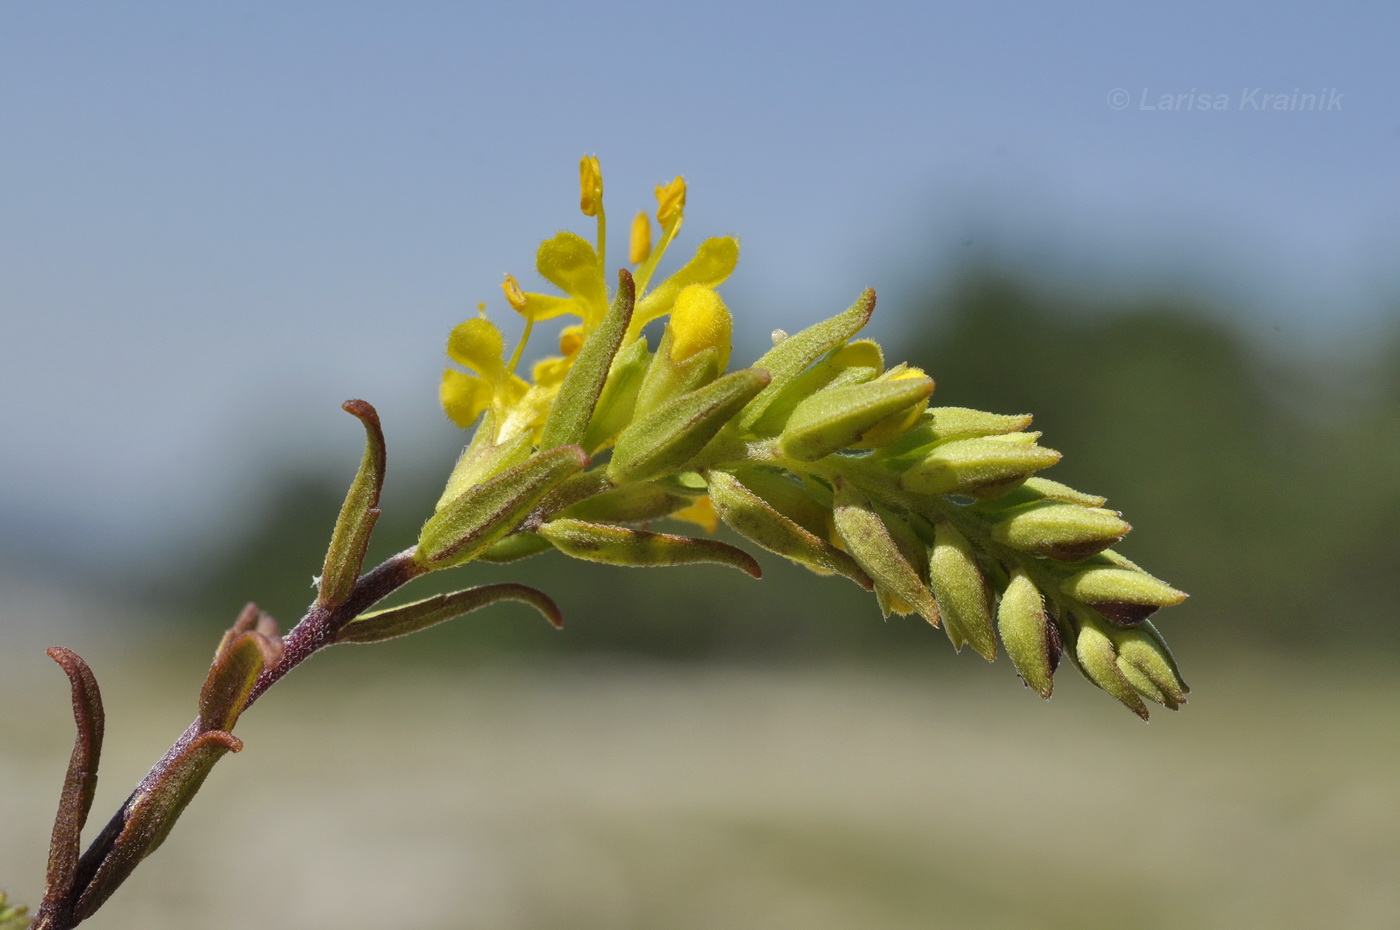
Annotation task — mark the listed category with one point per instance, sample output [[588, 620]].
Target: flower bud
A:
[[985, 467], [1123, 595], [617, 545], [1098, 660], [869, 541], [618, 403], [961, 592], [838, 417], [1060, 530], [855, 363], [631, 503], [1147, 663], [1036, 488], [660, 442], [699, 321], [1031, 637], [573, 407]]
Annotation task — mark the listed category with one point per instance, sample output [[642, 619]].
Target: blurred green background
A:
[[218, 224]]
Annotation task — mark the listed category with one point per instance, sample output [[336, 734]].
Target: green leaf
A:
[[150, 814], [618, 545], [471, 522], [755, 519], [569, 417], [350, 539], [790, 357], [410, 618], [670, 436]]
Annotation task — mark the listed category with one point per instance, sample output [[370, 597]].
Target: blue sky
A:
[[217, 221]]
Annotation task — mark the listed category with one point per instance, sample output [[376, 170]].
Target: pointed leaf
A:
[[350, 539], [410, 618], [755, 519], [150, 813], [470, 523], [674, 433], [231, 678], [578, 395], [79, 783], [618, 545], [790, 358]]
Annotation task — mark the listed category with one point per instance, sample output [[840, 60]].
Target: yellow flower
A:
[[578, 268]]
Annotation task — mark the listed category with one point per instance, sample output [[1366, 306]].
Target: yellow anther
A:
[[699, 321], [670, 201], [590, 183], [514, 295], [641, 239]]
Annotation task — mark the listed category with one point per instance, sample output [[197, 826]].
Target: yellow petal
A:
[[713, 262], [550, 371], [548, 306], [463, 397], [570, 264], [701, 513], [478, 345]]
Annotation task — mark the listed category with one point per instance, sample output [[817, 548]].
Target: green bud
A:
[[985, 467], [667, 378], [1147, 663], [350, 538], [961, 592], [1031, 638], [1098, 660], [618, 402], [484, 458], [854, 363], [380, 625], [1123, 595], [664, 440], [755, 519], [1059, 530], [470, 523], [572, 410], [1036, 488], [513, 548], [870, 543], [944, 424], [630, 503], [791, 356], [838, 417], [617, 545]]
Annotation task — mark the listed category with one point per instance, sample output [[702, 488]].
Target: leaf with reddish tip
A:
[[419, 615], [151, 812], [231, 679], [349, 540], [81, 781]]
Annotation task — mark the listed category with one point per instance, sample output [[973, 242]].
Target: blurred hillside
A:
[[1265, 486]]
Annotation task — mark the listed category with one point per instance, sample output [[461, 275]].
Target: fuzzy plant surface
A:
[[820, 452]]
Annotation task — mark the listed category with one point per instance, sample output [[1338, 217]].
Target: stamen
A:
[[641, 238]]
